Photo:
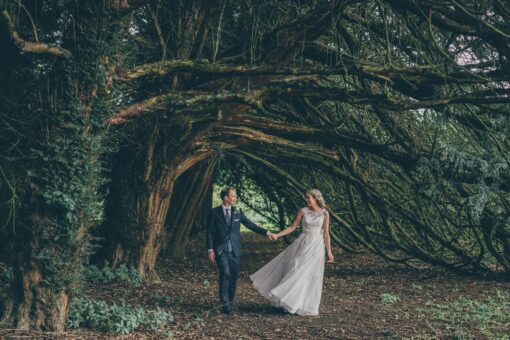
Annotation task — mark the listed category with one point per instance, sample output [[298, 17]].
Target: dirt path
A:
[[363, 298]]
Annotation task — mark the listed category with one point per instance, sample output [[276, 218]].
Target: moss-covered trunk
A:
[[56, 113]]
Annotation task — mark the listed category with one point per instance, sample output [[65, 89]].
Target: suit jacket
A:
[[218, 231]]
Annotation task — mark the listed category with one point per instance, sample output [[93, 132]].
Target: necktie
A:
[[229, 242], [227, 215]]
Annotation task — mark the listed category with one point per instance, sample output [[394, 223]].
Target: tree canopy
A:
[[117, 117]]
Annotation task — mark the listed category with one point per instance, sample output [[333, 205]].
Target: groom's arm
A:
[[252, 226]]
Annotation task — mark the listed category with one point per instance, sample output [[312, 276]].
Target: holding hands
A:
[[271, 236], [211, 255]]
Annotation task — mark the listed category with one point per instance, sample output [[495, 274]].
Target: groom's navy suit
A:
[[224, 237]]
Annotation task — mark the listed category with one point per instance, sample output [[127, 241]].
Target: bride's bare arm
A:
[[293, 226], [327, 238]]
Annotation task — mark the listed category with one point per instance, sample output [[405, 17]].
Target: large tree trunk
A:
[[137, 222], [40, 294], [199, 226], [188, 206], [33, 306], [141, 194], [50, 244], [61, 111]]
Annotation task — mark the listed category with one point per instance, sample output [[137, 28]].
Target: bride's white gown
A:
[[293, 279]]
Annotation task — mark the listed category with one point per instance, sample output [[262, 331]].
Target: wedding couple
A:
[[293, 279]]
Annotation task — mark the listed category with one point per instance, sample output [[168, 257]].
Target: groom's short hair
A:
[[225, 191]]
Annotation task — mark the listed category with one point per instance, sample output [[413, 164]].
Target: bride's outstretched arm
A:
[[327, 238], [293, 226]]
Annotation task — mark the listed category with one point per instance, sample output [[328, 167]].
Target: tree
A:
[[397, 110], [381, 95], [54, 105]]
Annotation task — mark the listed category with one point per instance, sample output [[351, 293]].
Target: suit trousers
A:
[[229, 265]]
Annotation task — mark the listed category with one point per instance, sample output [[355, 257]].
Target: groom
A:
[[224, 244]]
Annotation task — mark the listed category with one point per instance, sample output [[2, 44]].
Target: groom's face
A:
[[231, 198]]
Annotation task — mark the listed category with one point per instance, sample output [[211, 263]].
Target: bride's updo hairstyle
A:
[[318, 197]]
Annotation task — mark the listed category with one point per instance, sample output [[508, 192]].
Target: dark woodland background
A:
[[118, 118]]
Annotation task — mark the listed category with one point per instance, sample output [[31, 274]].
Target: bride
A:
[[293, 279]]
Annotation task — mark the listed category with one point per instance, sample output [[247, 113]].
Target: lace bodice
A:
[[313, 220]]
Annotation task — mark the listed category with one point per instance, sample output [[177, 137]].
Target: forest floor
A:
[[363, 298]]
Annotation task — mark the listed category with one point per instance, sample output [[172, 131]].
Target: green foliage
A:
[[123, 318], [158, 298], [451, 163], [490, 315], [389, 298], [167, 334], [120, 274], [61, 172], [196, 322], [450, 210], [251, 198], [68, 183], [416, 287]]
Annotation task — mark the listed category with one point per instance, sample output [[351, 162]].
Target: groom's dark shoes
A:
[[227, 309]]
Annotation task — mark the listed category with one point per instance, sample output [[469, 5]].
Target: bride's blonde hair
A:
[[318, 197]]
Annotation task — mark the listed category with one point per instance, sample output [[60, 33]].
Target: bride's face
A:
[[312, 202]]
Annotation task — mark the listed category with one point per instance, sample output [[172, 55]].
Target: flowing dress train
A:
[[293, 279]]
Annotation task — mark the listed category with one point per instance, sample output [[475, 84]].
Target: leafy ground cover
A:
[[363, 297]]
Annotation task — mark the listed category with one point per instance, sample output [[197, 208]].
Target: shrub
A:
[[121, 274], [158, 298], [388, 298], [123, 318]]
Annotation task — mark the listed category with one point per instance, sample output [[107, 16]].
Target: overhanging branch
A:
[[33, 47]]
